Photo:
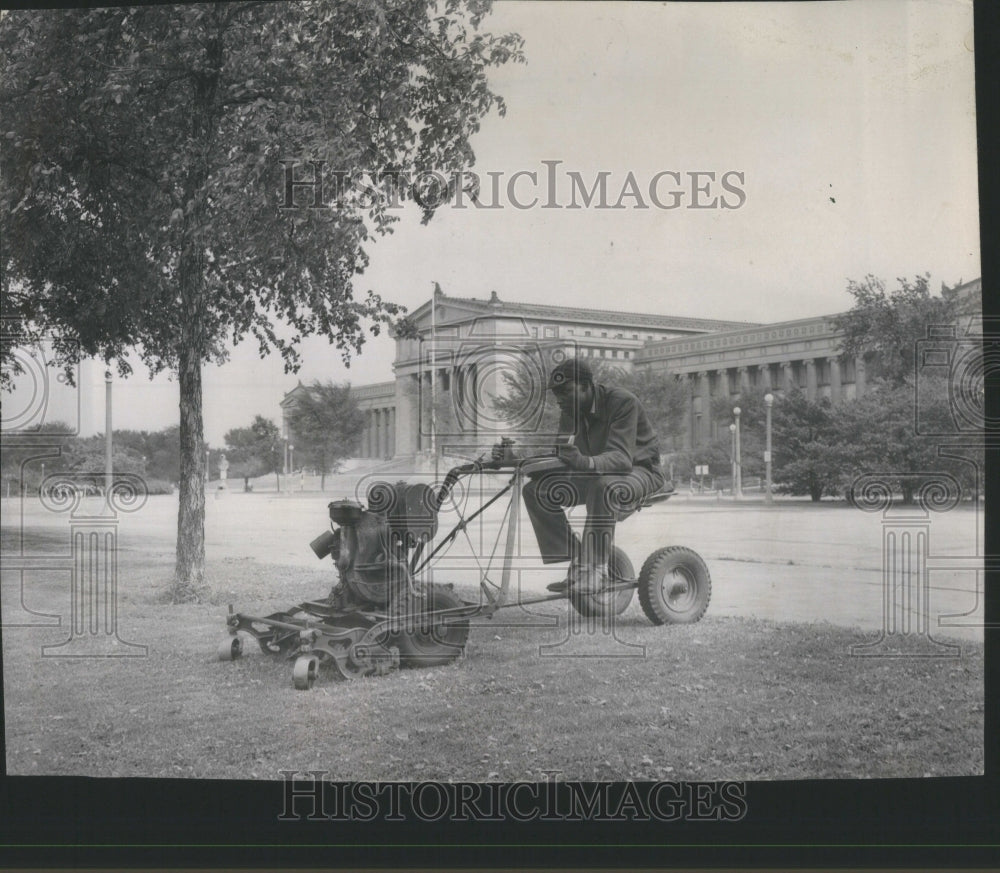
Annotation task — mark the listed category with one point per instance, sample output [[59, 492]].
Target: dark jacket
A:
[[616, 433]]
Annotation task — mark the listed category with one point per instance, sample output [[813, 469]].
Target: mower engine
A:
[[376, 617]]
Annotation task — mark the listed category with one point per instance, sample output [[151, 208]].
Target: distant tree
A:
[[17, 450], [327, 424], [752, 424], [880, 432], [887, 326], [878, 435], [144, 187], [88, 455], [255, 450], [163, 454], [808, 449], [663, 396]]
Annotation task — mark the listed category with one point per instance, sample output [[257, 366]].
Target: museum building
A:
[[466, 344]]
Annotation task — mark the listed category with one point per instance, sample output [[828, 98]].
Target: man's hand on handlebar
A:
[[503, 452]]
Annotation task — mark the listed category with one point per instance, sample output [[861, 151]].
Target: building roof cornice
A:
[[477, 308]]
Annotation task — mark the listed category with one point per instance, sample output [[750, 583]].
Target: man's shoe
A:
[[590, 580], [560, 587], [563, 585]]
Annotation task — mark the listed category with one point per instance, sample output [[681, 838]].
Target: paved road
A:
[[790, 562]]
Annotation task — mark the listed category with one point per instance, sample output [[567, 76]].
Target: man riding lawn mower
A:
[[613, 467]]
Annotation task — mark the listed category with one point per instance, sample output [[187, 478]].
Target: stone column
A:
[[835, 389], [706, 402], [859, 377], [689, 436], [392, 431], [744, 374], [787, 383], [722, 376], [765, 376], [810, 378]]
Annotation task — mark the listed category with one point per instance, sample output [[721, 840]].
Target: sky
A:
[[851, 126]]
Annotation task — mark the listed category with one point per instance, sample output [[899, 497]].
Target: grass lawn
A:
[[727, 698]]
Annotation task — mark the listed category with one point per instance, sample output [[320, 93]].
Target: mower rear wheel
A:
[[614, 602], [674, 586], [305, 672], [428, 641], [230, 648]]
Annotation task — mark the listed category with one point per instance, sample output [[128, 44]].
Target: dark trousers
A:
[[609, 498]]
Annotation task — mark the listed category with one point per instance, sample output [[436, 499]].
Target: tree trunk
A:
[[190, 569]]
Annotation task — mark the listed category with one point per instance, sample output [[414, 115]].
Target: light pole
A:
[[732, 456], [108, 471], [768, 402], [739, 463]]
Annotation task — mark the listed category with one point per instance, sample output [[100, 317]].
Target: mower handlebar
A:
[[529, 466]]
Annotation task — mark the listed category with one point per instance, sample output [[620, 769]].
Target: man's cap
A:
[[570, 370]]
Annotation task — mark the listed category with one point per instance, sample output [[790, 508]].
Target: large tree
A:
[[327, 424], [147, 153]]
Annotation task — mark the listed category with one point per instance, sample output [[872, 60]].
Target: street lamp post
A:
[[768, 402], [732, 457], [108, 470], [739, 462]]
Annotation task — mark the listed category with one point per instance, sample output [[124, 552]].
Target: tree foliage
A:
[[887, 326], [143, 185], [326, 423], [808, 450], [255, 450]]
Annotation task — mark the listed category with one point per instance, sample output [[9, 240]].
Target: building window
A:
[[604, 334], [635, 336], [534, 332], [586, 333], [570, 332], [649, 337], [619, 336], [551, 332], [614, 353]]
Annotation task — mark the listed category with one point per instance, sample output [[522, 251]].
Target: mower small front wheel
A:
[[230, 648], [305, 672]]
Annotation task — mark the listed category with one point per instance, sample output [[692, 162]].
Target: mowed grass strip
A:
[[727, 698]]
